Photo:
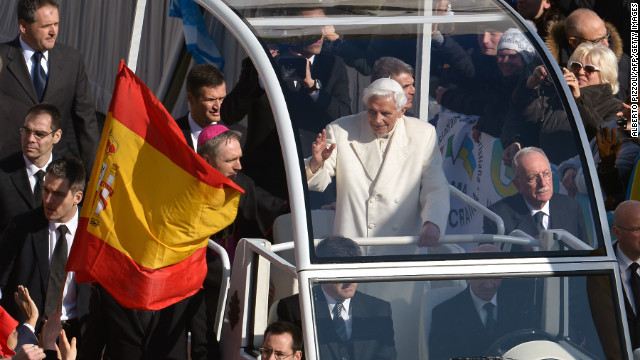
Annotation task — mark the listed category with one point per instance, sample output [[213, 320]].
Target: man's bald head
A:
[[626, 228], [584, 25]]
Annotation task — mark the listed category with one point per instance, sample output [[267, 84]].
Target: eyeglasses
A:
[[266, 352], [632, 230], [598, 40], [533, 179], [575, 67], [39, 135]]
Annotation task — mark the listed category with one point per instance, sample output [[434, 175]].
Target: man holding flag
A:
[[151, 206]]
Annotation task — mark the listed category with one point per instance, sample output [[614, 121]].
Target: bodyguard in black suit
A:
[[470, 322], [61, 80], [626, 229], [206, 90], [261, 152], [36, 245], [535, 199], [457, 329], [364, 327], [22, 173]]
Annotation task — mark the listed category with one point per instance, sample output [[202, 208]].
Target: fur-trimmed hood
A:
[[558, 45]]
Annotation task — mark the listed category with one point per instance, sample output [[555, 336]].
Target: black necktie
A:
[[37, 189], [39, 76], [56, 272], [338, 321], [490, 325], [538, 217], [635, 284]]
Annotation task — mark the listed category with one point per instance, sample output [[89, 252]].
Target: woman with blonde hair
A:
[[592, 76]]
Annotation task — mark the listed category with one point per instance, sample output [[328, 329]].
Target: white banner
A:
[[474, 168]]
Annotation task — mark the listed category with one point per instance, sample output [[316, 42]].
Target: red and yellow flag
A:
[[150, 206]]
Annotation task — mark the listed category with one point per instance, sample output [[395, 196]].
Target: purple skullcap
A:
[[210, 132]]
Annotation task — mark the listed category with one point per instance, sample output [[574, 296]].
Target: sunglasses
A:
[[588, 68]]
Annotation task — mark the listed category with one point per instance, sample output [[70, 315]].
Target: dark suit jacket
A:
[[565, 213], [16, 195], [183, 124], [633, 321], [333, 101], [24, 260], [458, 331], [372, 335], [67, 88], [261, 153], [120, 333]]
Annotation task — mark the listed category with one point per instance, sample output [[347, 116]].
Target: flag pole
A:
[[136, 35]]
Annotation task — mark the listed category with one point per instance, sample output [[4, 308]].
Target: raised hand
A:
[[320, 152], [26, 305]]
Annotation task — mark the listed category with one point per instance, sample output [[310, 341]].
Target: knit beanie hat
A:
[[514, 39]]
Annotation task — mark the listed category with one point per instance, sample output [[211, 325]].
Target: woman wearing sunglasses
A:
[[592, 76], [537, 116]]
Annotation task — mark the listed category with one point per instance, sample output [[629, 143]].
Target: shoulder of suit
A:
[[67, 50], [510, 202], [372, 300], [564, 199], [183, 121], [12, 163], [31, 220]]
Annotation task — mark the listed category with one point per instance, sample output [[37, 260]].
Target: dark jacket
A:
[[372, 336], [121, 334], [537, 117], [597, 105], [559, 47], [486, 97], [67, 88]]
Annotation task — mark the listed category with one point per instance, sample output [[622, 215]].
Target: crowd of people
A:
[[351, 161]]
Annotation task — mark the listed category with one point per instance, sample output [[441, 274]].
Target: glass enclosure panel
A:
[[567, 317], [478, 88]]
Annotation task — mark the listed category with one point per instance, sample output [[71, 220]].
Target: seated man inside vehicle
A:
[[350, 324], [535, 207], [470, 322]]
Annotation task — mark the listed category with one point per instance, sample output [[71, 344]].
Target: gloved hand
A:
[[608, 147]]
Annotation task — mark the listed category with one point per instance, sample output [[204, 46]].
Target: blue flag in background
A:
[[199, 43]]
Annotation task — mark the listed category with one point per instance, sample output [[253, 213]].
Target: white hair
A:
[[385, 87]]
